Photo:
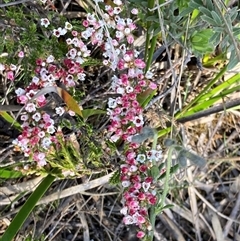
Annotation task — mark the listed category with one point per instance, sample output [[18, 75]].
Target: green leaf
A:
[[155, 173], [182, 159], [159, 209], [115, 178], [152, 18], [89, 112], [7, 174], [216, 18], [9, 119], [145, 97], [195, 159], [205, 11], [209, 20], [169, 142], [27, 208]]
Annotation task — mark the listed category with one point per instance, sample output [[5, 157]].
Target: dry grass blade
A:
[[186, 214], [13, 3], [75, 189], [81, 215], [217, 226], [173, 227], [193, 204], [21, 187], [213, 208], [233, 216]]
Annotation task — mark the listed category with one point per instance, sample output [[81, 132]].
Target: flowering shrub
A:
[[113, 34]]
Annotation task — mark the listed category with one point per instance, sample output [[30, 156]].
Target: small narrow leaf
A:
[[89, 112], [6, 174], [145, 97], [155, 173]]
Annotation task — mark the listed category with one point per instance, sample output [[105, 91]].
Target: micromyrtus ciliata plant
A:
[[109, 30]]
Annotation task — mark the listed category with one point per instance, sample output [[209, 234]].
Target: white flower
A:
[[36, 116], [120, 90], [129, 89], [141, 158], [154, 155], [71, 113], [41, 134], [72, 53], [133, 168], [112, 103], [118, 2], [146, 186], [42, 162], [68, 26], [50, 130], [127, 31], [126, 183], [20, 91], [81, 76], [124, 210], [149, 75], [138, 121], [63, 31], [69, 41], [50, 59], [46, 142], [24, 117], [30, 107], [44, 22], [13, 67], [35, 79], [134, 11], [60, 111], [114, 138], [128, 220], [119, 34], [2, 67]]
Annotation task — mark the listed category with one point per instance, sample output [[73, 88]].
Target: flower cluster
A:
[[9, 71], [126, 114], [139, 194], [39, 131]]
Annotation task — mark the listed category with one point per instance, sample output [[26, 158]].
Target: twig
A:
[[232, 216], [213, 208], [14, 3], [212, 110]]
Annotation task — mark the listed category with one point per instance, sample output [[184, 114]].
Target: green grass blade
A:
[[220, 88], [202, 93], [26, 209]]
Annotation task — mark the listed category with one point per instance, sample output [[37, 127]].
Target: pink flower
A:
[[141, 196], [85, 23], [21, 54], [141, 219], [152, 199], [134, 11], [130, 39], [10, 75], [140, 234], [153, 86], [139, 63]]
